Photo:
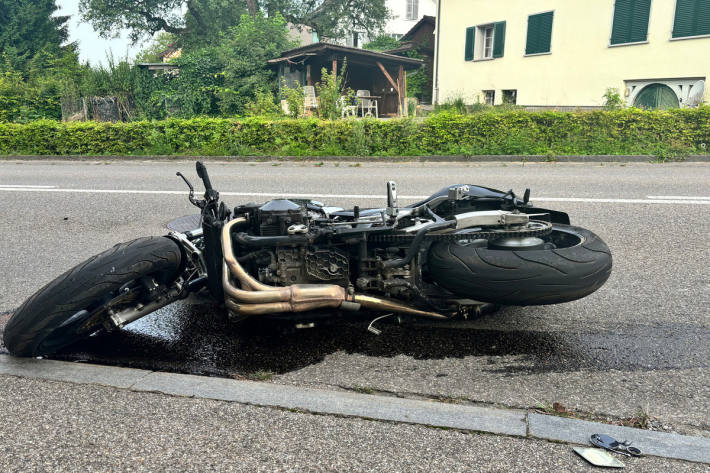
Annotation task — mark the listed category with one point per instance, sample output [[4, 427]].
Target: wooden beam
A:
[[335, 67], [406, 102], [387, 75], [400, 90], [308, 75]]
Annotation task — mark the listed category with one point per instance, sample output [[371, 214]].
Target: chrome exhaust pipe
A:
[[256, 298]]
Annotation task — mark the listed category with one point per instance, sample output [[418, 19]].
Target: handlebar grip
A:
[[202, 173]]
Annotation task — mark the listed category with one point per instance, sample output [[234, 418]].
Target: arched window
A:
[[657, 96]]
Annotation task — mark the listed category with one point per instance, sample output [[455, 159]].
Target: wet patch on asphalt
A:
[[198, 339]]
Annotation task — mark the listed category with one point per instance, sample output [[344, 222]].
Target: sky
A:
[[91, 46]]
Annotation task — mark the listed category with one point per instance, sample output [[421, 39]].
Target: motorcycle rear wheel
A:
[[578, 264], [57, 315]]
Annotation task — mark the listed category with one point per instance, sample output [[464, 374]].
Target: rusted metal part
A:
[[256, 298]]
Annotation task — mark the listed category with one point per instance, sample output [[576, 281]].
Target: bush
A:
[[612, 99], [665, 134], [263, 105], [294, 97], [329, 90]]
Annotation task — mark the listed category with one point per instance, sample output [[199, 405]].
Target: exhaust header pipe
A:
[[256, 298]]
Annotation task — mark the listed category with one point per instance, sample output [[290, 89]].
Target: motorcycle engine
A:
[[282, 217], [299, 264]]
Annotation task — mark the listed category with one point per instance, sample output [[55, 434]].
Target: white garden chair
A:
[[347, 109], [368, 106]]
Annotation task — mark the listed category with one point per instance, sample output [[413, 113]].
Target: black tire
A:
[[532, 277], [39, 319]]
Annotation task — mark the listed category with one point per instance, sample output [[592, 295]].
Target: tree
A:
[[204, 19], [27, 28], [382, 42], [244, 51]]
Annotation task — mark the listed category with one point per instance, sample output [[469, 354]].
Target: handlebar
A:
[[202, 174]]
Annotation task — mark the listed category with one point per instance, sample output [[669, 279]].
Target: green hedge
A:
[[661, 133]]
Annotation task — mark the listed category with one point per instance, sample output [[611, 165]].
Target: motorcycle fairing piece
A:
[[464, 249]]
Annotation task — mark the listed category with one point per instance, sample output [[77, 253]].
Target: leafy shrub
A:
[[452, 104], [329, 90], [294, 97], [262, 105], [612, 99], [668, 134]]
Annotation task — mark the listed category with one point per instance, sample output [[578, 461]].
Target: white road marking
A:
[[666, 200], [676, 197], [620, 201], [12, 186]]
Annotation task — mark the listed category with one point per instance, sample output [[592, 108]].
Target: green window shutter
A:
[[630, 21], [499, 39], [470, 40], [692, 18], [539, 33]]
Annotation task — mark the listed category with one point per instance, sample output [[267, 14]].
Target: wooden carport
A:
[[383, 74]]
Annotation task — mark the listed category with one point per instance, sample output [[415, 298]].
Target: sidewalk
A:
[[60, 425]]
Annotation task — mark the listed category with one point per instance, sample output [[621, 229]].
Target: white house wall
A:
[[399, 24], [581, 64]]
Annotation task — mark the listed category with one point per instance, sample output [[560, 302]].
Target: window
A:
[[396, 36], [412, 9], [485, 41], [630, 21], [539, 33], [486, 33], [510, 97], [656, 96], [692, 18], [489, 97], [356, 39]]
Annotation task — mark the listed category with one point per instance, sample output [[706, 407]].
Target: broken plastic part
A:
[[598, 457]]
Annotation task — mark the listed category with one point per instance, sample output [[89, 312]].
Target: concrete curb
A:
[[365, 159], [659, 444], [431, 413]]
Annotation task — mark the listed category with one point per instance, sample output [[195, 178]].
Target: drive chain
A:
[[543, 229]]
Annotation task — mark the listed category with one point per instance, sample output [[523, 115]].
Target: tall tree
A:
[[205, 18], [28, 27]]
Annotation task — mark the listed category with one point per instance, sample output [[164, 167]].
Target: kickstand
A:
[[372, 329]]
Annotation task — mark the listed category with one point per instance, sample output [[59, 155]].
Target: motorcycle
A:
[[465, 248]]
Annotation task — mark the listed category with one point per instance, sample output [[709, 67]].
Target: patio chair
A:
[[368, 106], [310, 102], [347, 109]]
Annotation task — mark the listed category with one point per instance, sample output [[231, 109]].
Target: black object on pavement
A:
[[610, 443]]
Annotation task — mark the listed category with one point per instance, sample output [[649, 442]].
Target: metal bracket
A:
[[392, 207]]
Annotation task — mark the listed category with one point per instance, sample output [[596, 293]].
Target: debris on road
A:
[[598, 457]]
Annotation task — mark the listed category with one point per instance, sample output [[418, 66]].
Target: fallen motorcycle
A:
[[441, 258]]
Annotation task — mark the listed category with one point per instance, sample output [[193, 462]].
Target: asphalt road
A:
[[639, 343]]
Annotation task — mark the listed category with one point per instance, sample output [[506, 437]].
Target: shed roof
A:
[[426, 19], [324, 49]]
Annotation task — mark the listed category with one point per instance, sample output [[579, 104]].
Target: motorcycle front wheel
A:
[[573, 263], [75, 305]]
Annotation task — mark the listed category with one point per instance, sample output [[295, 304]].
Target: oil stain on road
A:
[[197, 338]]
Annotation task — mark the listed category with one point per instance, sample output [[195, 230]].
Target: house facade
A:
[[567, 53], [404, 14]]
